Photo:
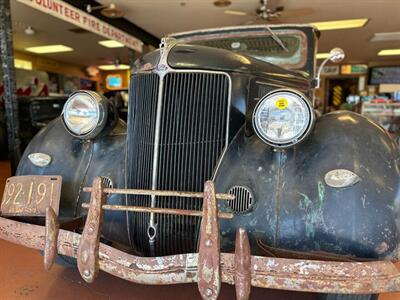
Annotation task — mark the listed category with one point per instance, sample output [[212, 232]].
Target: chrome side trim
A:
[[162, 69], [224, 153]]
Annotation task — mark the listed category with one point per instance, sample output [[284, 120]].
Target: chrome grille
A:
[[192, 137], [141, 132]]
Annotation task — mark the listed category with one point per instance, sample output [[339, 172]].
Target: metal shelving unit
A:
[[383, 113]]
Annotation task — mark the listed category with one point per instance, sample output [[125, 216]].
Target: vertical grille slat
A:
[[192, 137]]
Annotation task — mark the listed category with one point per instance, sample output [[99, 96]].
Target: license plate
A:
[[31, 195]]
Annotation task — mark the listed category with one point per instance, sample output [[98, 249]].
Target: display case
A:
[[386, 114], [382, 113]]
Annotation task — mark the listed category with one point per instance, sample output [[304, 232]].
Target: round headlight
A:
[[283, 118], [85, 114]]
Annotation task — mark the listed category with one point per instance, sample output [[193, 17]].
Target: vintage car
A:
[[223, 173]]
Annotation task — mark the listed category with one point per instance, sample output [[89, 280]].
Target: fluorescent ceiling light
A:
[[340, 24], [111, 44], [387, 52], [386, 36], [49, 49], [22, 64], [235, 12], [113, 67], [322, 55]]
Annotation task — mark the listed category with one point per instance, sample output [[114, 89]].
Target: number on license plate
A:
[[31, 195]]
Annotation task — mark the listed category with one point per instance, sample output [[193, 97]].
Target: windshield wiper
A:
[[277, 39]]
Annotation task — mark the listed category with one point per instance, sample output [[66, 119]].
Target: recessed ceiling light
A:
[[49, 49], [235, 12], [22, 64], [322, 55], [386, 36], [113, 67], [341, 24], [387, 52], [111, 44]]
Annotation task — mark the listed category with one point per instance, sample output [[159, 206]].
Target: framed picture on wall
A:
[[384, 74], [54, 83], [87, 84], [71, 84], [114, 82]]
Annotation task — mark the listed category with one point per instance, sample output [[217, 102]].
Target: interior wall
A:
[[49, 65]]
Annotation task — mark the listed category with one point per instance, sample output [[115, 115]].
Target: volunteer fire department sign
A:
[[71, 14]]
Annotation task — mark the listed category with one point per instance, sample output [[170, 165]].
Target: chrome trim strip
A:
[[224, 153], [152, 225], [161, 69]]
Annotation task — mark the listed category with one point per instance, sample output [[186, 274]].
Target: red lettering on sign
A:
[[73, 15], [49, 4]]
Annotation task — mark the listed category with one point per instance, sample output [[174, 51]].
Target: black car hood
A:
[[185, 56]]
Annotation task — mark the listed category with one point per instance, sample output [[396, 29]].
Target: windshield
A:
[[262, 46]]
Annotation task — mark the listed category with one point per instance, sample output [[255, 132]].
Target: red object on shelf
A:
[[381, 100]]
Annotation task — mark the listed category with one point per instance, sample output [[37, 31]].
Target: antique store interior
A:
[[59, 47]]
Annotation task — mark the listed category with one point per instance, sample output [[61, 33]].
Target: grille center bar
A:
[[152, 228]]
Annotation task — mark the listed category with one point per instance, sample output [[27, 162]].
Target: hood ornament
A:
[[341, 178], [40, 159], [165, 46]]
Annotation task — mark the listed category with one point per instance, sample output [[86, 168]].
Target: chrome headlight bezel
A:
[[303, 133], [100, 105]]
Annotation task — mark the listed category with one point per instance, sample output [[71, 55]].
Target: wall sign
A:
[[385, 74], [353, 69], [330, 70], [69, 13]]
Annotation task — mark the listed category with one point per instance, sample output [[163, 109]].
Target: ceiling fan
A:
[[109, 11], [264, 13]]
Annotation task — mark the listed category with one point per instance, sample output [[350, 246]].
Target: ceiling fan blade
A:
[[296, 12], [237, 12], [250, 22]]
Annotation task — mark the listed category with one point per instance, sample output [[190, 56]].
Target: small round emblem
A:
[[341, 178]]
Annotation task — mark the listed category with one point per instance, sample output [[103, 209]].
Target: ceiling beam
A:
[[120, 23]]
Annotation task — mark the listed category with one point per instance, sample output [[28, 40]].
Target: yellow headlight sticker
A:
[[281, 103]]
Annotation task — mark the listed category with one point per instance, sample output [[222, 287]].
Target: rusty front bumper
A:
[[209, 267]]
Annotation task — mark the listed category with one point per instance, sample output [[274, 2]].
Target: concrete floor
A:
[[22, 276]]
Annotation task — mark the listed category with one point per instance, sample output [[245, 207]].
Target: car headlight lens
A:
[[283, 118], [85, 113]]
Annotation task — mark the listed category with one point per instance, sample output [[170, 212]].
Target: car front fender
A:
[[294, 208]]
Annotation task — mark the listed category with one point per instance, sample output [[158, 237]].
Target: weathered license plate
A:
[[31, 195]]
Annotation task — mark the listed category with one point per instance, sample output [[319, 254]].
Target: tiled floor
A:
[[22, 277]]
